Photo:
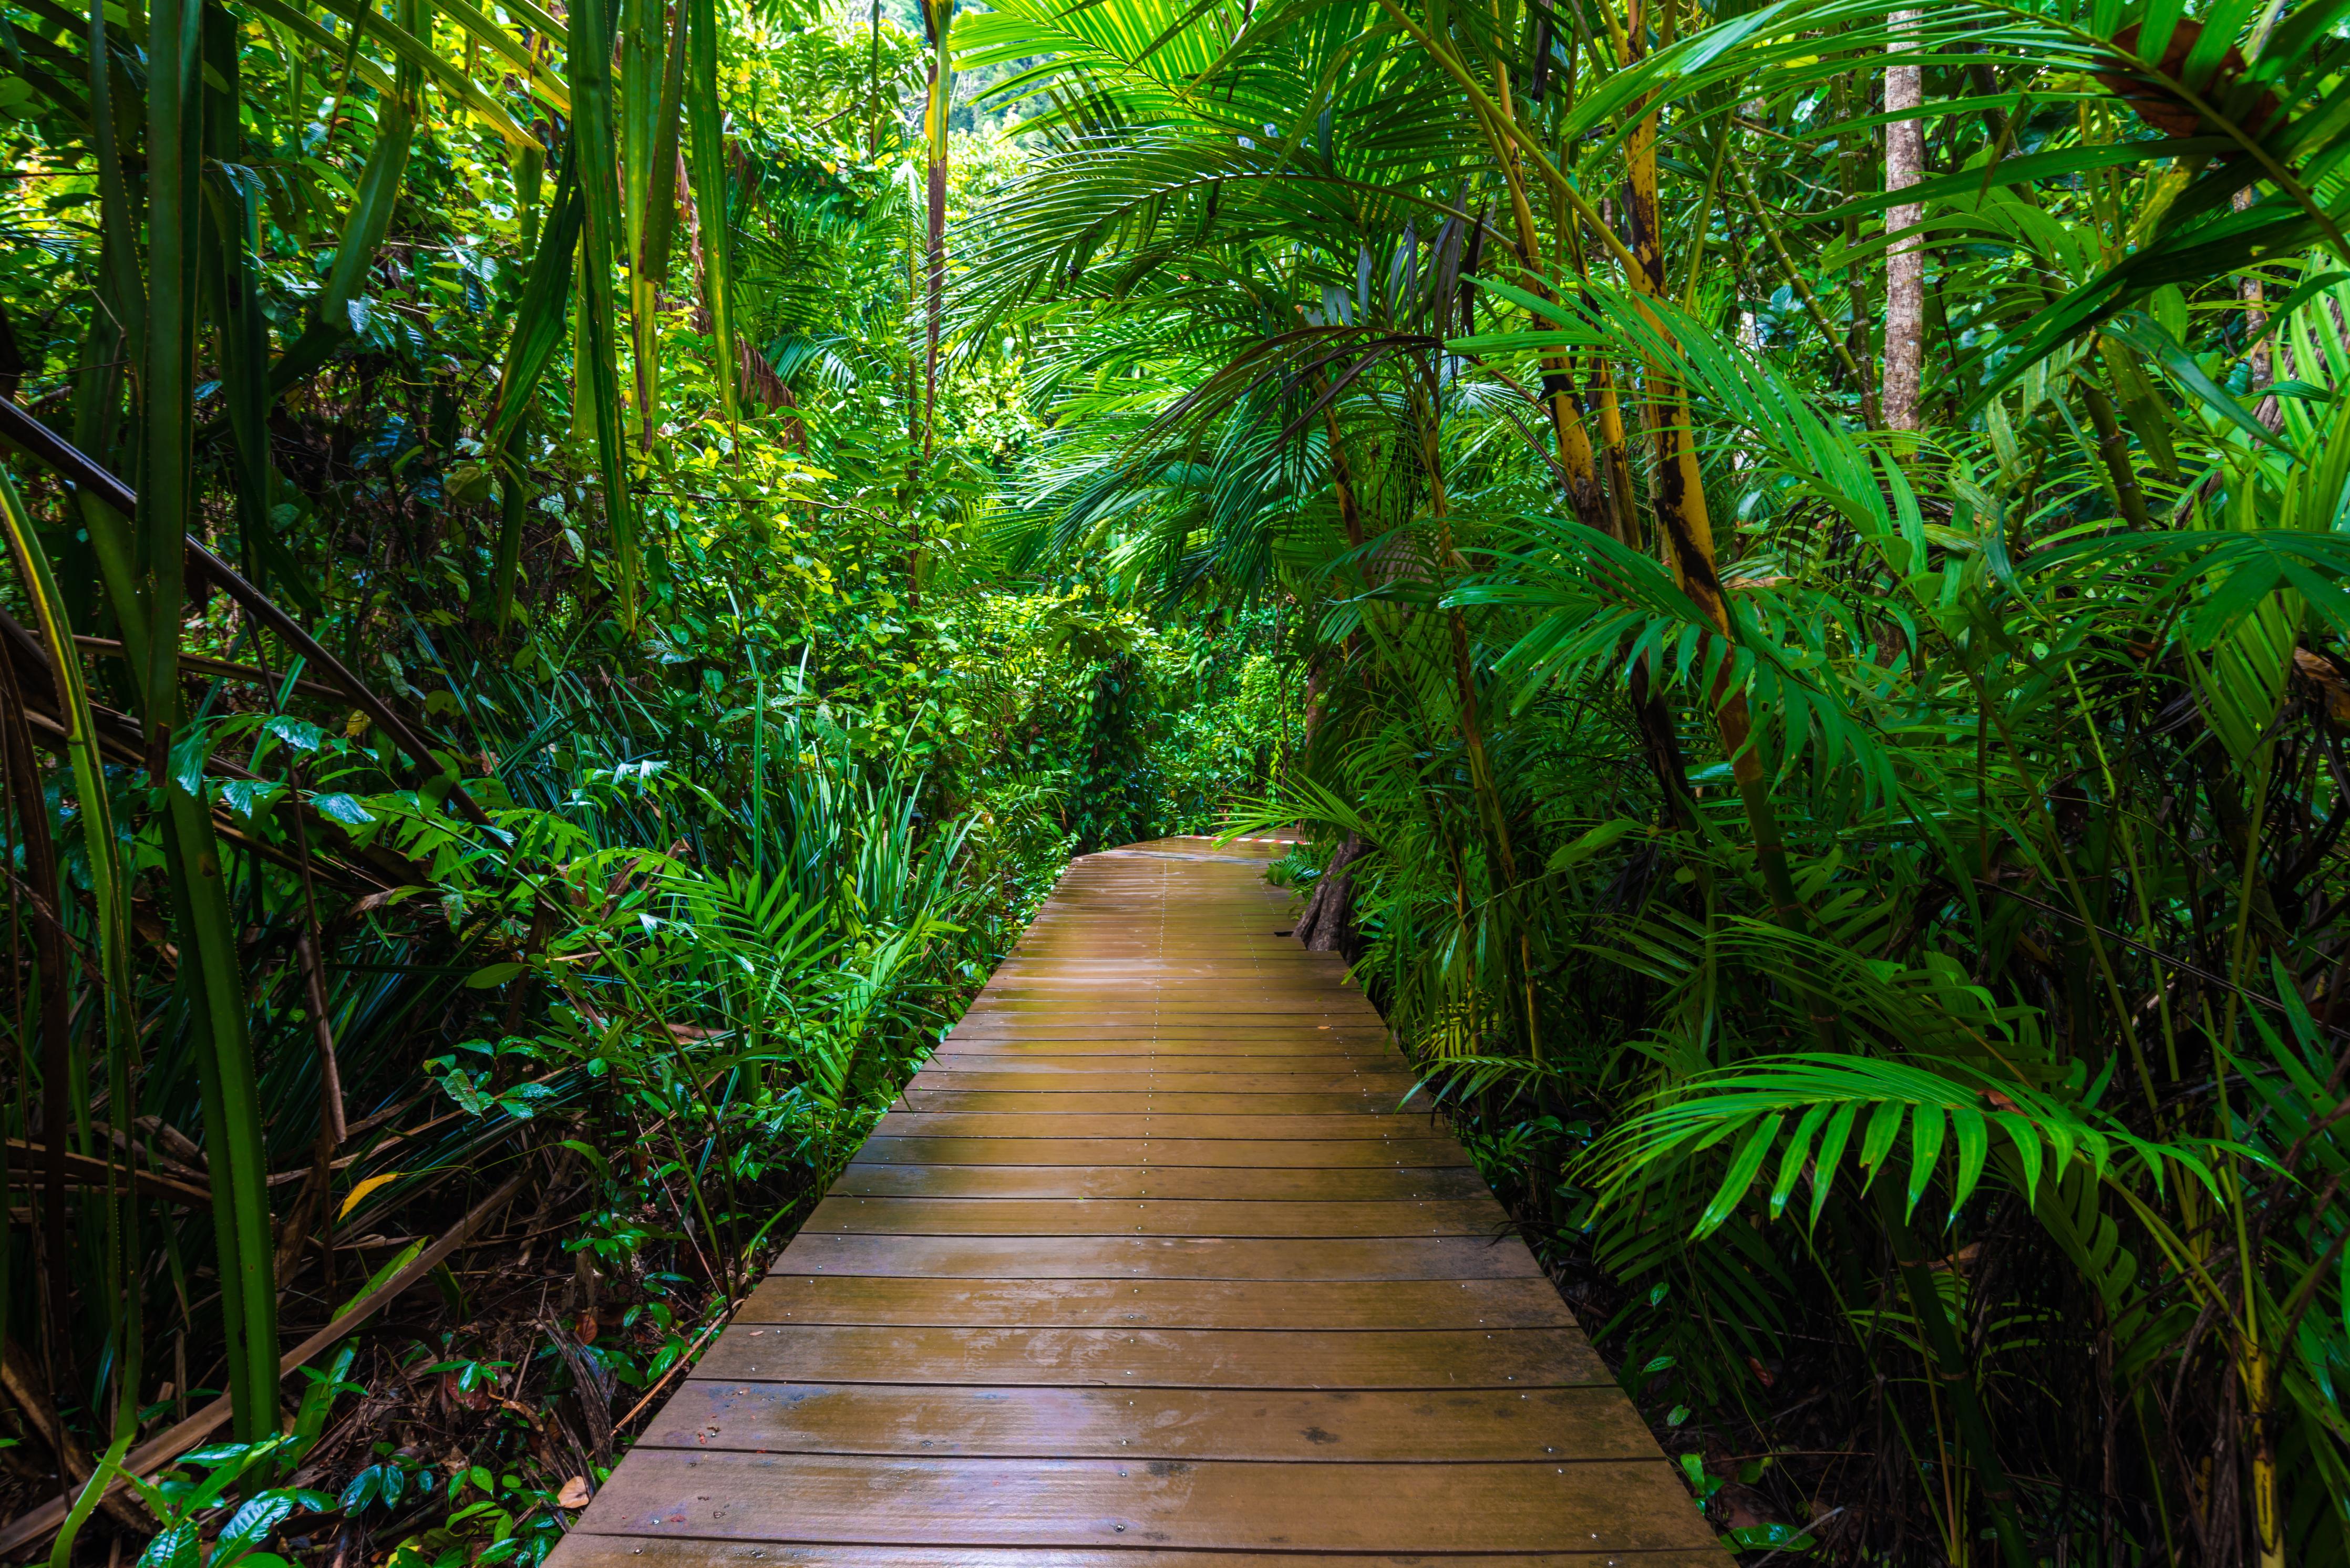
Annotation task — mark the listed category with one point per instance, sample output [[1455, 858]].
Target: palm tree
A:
[[1974, 774]]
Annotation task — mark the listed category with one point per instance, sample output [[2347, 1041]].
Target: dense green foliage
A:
[[1791, 555], [1864, 861], [624, 749]]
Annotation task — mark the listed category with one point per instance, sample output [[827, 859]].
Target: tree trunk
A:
[[1328, 924], [1905, 263], [938, 16]]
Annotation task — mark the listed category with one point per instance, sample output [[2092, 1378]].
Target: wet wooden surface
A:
[[1153, 1264]]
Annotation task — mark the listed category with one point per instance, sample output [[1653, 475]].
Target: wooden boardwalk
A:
[[1147, 1268]]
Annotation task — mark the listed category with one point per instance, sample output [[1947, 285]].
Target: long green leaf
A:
[[539, 330], [412, 52], [596, 353], [331, 323], [708, 176]]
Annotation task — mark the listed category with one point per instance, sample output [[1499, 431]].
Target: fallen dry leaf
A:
[[2320, 670], [574, 1494], [452, 1389]]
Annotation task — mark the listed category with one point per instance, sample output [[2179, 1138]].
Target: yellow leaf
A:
[[363, 1189]]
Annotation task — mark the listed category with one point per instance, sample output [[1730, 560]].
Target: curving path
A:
[[1148, 1269]]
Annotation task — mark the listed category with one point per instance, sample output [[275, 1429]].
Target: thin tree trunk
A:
[[937, 16], [1427, 410], [1606, 507], [916, 443], [2260, 365], [1905, 263], [1576, 458]]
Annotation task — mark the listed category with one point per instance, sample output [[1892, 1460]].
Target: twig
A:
[[2181, 965], [683, 1360]]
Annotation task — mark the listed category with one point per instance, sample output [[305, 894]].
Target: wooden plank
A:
[[591, 1551], [1303, 1153], [1355, 1184], [1159, 1257], [1252, 1028], [1161, 1358], [1248, 1025], [1101, 1503], [1285, 1050], [1174, 969], [1225, 1010], [1042, 1069], [1146, 1216], [1447, 1426], [1148, 1269], [1215, 994], [1347, 1034], [1154, 1128], [1263, 1000], [1257, 1013], [931, 1100], [1032, 1078], [1205, 982], [1339, 1305]]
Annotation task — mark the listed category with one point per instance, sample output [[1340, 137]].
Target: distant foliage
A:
[[1865, 872], [614, 745]]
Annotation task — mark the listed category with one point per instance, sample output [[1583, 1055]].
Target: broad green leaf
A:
[[343, 808]]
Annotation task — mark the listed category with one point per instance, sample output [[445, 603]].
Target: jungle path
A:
[[1147, 1268]]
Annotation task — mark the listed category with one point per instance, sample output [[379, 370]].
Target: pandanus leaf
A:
[[549, 88], [414, 52], [539, 20], [652, 128], [595, 352], [232, 299], [707, 174], [539, 331], [332, 323], [304, 29], [93, 808]]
